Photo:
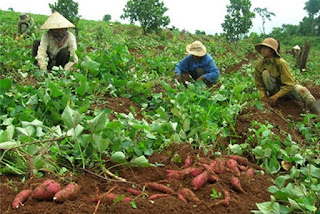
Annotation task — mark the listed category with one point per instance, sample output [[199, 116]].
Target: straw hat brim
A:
[[259, 46], [199, 53], [56, 21]]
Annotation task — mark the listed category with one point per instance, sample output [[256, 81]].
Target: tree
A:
[[238, 21], [313, 8], [149, 13], [67, 8], [264, 14], [106, 18]]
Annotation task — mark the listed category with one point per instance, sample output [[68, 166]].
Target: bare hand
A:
[[200, 78], [273, 100]]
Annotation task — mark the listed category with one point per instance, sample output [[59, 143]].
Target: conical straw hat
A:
[[56, 21]]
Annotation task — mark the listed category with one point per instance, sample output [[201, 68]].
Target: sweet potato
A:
[[177, 176], [159, 187], [239, 159], [181, 197], [46, 190], [200, 180], [193, 171], [250, 171], [156, 196], [110, 197], [188, 162], [68, 193], [235, 182], [134, 191], [219, 167], [226, 200], [189, 195], [243, 168], [212, 178], [20, 198], [233, 165]]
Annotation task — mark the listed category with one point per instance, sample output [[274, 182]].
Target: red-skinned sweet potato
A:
[[233, 165], [20, 198], [159, 195], [46, 190], [134, 191], [200, 180], [235, 182], [226, 200], [239, 159], [189, 195], [159, 187], [70, 192], [188, 162], [250, 171], [110, 197]]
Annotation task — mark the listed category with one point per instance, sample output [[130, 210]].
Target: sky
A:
[[191, 15]]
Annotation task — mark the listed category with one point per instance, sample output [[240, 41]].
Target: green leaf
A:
[[8, 145], [312, 170], [141, 161], [7, 135], [214, 194], [5, 84], [280, 180], [97, 124], [70, 117], [90, 65], [56, 92], [118, 157], [33, 100], [101, 143]]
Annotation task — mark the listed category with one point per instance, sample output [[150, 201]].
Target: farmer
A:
[[25, 25], [198, 64], [57, 46], [274, 79]]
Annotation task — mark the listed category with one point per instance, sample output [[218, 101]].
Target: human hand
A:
[[68, 66], [272, 100], [200, 78], [264, 99], [178, 77]]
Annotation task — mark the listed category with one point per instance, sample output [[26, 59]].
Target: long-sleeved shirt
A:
[[188, 64], [48, 44], [277, 68]]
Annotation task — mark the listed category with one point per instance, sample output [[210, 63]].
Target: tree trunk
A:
[[302, 58]]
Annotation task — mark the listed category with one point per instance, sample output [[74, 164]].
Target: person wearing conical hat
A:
[[198, 64], [25, 24], [274, 79], [57, 46]]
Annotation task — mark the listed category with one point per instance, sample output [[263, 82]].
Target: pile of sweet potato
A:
[[48, 190], [200, 172]]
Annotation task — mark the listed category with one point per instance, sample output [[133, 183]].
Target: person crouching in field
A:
[[274, 79], [57, 46], [198, 64], [25, 25]]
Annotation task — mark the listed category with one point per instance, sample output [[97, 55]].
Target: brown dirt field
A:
[[255, 187]]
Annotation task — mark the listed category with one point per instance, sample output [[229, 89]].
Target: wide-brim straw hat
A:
[[196, 48], [56, 21], [269, 42]]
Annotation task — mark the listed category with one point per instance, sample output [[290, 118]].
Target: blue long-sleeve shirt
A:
[[188, 64]]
